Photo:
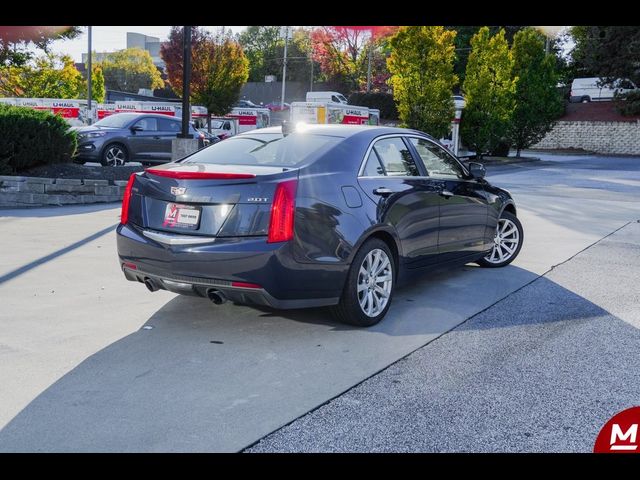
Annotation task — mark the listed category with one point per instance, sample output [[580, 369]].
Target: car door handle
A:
[[156, 137], [383, 191], [445, 193]]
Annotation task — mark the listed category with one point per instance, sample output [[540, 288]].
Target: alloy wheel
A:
[[115, 156], [375, 279], [505, 242]]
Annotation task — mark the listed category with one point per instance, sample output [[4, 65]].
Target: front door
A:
[[406, 199], [145, 142], [463, 202]]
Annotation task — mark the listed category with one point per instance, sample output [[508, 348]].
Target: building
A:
[[96, 58], [145, 42]]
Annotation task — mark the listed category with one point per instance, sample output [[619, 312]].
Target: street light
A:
[[89, 72]]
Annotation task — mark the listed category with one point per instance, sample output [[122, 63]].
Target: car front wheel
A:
[[114, 155], [367, 293], [507, 242]]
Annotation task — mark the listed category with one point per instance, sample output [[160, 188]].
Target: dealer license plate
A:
[[181, 216]]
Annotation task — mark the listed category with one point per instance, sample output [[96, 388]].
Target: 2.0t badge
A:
[[178, 190]]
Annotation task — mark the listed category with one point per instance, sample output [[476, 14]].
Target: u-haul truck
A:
[[250, 118], [331, 113], [69, 109]]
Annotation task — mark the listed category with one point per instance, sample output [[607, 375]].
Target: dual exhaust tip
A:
[[216, 296]]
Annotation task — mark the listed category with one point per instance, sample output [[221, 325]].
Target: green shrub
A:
[[629, 104], [31, 138], [382, 101]]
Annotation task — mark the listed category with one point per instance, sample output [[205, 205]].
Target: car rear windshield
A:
[[270, 149], [119, 120]]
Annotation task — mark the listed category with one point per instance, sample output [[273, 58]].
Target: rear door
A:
[[168, 129], [406, 199], [144, 143], [463, 202]]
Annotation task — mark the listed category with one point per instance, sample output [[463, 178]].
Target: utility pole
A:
[[89, 74], [284, 65], [369, 67], [186, 80], [311, 81]]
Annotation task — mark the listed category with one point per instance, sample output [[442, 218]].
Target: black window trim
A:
[[414, 153]]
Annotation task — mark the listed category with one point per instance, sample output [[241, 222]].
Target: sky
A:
[[109, 39]]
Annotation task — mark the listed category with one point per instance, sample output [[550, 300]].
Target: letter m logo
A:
[[629, 437]]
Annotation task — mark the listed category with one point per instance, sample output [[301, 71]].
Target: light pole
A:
[[284, 66], [186, 80], [369, 66], [89, 74]]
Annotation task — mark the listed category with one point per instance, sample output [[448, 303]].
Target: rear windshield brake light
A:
[[182, 175]]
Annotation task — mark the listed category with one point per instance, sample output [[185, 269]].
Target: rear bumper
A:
[[193, 269]]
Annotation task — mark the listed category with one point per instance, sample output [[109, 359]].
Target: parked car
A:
[[129, 137], [589, 89], [209, 138], [276, 106], [246, 104], [326, 215]]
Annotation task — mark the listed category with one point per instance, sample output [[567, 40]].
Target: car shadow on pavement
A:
[[199, 377]]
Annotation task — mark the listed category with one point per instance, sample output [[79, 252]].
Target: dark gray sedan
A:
[[326, 215], [129, 137]]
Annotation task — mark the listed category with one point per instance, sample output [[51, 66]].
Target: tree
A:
[[538, 101], [97, 86], [129, 70], [50, 76], [260, 46], [17, 42], [610, 52], [219, 69], [463, 45], [421, 66], [171, 52], [489, 89]]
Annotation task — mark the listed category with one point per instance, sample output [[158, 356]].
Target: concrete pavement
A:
[[540, 371], [79, 373]]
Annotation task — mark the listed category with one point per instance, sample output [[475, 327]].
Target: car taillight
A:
[[282, 212], [124, 216]]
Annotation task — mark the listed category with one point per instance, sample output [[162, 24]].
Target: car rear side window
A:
[[436, 160], [167, 125], [271, 149], [394, 159], [148, 124]]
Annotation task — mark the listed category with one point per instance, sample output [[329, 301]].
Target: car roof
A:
[[345, 131]]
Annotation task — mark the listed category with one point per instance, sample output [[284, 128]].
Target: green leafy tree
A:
[[489, 89], [97, 86], [610, 52], [219, 69], [51, 76], [260, 44], [538, 102], [421, 66], [129, 70]]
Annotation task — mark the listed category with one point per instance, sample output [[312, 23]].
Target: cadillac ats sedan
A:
[[318, 215]]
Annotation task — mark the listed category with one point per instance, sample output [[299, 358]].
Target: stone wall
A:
[[36, 192], [598, 137]]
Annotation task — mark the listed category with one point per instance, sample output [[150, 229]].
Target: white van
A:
[[324, 97], [588, 89]]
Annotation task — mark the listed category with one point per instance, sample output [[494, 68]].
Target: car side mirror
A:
[[136, 128], [477, 170]]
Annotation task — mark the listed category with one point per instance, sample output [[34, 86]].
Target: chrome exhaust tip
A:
[[216, 296], [151, 285]]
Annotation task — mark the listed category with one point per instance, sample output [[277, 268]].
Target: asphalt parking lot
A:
[[91, 362]]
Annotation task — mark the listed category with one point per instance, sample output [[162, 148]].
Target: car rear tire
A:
[[367, 293], [585, 100], [507, 242], [114, 155]]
